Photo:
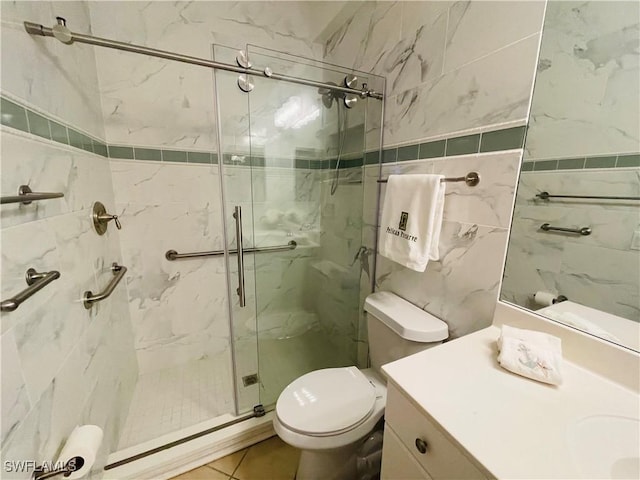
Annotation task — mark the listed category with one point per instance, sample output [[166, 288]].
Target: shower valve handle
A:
[[101, 218], [108, 217]]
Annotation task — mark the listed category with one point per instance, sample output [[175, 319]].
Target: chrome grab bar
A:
[[36, 281], [237, 214], [547, 196], [26, 196], [172, 255], [582, 231], [90, 298]]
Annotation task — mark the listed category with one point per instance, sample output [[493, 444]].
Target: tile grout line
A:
[[241, 460]]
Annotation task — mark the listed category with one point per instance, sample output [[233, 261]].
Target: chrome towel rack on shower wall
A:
[[471, 179]]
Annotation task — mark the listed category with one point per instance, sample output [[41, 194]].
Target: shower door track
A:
[[258, 411], [69, 37]]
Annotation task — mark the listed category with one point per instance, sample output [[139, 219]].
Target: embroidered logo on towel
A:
[[532, 362], [402, 235], [404, 217]]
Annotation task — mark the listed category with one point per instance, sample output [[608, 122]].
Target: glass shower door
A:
[[307, 296], [291, 159]]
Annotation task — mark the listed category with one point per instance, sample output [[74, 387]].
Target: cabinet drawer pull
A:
[[421, 445]]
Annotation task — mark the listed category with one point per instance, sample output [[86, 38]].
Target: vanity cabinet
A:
[[415, 448]]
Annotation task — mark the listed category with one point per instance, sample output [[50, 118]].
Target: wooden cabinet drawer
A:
[[397, 462], [441, 459]]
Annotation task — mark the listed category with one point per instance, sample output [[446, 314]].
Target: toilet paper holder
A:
[[42, 473]]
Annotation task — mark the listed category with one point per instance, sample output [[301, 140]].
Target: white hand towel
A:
[[531, 336], [412, 220], [532, 354]]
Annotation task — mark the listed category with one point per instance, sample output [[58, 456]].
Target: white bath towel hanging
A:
[[412, 219]]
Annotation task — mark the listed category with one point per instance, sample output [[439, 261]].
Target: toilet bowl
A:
[[327, 413]]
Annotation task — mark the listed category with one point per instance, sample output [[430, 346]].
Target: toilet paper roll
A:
[[544, 298], [82, 447]]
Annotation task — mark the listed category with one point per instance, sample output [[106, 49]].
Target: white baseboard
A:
[[195, 453]]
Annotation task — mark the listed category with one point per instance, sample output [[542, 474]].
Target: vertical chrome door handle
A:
[[237, 214]]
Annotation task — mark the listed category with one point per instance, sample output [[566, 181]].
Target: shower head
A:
[[329, 95]]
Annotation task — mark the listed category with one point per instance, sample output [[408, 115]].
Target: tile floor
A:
[[176, 398], [271, 459]]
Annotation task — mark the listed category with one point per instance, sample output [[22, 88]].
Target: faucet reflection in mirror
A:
[[582, 141]]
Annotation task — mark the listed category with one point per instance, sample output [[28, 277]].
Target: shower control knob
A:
[[101, 218], [421, 445]]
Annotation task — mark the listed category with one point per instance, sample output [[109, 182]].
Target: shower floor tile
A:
[[176, 398]]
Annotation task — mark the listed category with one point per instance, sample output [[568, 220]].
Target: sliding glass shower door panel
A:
[[307, 297], [235, 168], [291, 160]]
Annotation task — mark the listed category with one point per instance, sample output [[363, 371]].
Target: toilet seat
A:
[[326, 402]]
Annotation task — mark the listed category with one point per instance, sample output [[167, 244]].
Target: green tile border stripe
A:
[[620, 160], [24, 119], [489, 141]]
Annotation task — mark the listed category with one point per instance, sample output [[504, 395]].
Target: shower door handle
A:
[[237, 214]]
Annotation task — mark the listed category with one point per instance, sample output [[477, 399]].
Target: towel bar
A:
[[471, 179]]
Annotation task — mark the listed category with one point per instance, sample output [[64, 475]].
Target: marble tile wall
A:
[[452, 68], [600, 270], [588, 84], [462, 287], [149, 101], [179, 309], [59, 80], [62, 365], [337, 272]]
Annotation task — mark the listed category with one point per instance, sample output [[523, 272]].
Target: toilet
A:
[[327, 413]]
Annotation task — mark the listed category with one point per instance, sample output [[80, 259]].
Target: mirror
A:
[[580, 241]]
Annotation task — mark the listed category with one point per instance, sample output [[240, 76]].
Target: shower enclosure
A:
[[245, 257], [293, 159], [290, 192]]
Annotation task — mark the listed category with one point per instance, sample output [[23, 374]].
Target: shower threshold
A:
[[189, 448]]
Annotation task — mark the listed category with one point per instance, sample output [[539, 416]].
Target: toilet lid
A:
[[325, 401]]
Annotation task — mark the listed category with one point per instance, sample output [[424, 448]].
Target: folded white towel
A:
[[531, 336], [532, 354], [412, 219]]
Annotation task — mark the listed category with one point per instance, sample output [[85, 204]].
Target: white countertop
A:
[[513, 426]]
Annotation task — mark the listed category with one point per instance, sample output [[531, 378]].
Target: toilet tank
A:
[[398, 328]]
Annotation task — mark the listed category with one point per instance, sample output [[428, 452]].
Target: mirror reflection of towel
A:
[[412, 219]]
